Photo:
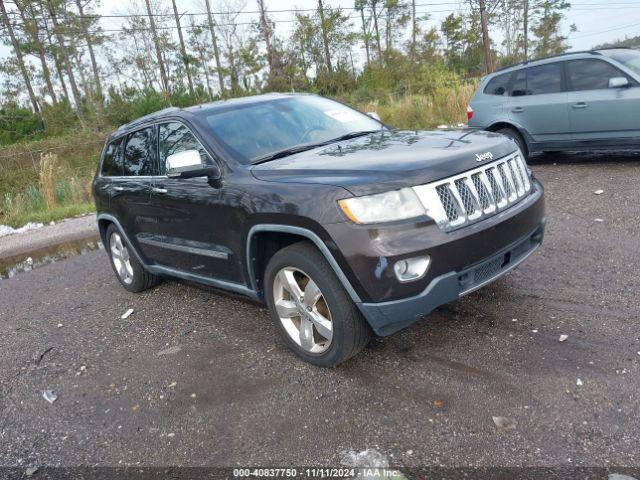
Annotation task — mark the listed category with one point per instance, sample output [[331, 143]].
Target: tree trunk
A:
[[67, 63], [156, 42], [266, 33], [525, 22], [375, 26], [23, 68], [365, 36], [56, 60], [63, 84], [414, 30], [216, 51], [80, 69], [325, 39], [485, 37], [183, 50], [387, 33], [94, 63], [203, 61], [33, 31], [206, 76]]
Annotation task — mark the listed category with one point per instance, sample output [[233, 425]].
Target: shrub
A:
[[17, 124]]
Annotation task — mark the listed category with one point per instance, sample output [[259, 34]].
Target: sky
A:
[[597, 22]]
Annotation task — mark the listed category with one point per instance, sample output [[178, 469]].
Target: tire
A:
[[303, 264], [516, 137], [129, 272]]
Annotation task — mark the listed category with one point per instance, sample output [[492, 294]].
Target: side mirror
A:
[[618, 82], [189, 164], [374, 115]]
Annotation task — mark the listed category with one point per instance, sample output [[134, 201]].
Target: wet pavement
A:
[[56, 233], [193, 377]]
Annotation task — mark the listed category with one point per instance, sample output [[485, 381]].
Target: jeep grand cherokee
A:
[[342, 225]]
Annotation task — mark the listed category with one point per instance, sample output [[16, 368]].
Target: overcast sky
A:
[[597, 22]]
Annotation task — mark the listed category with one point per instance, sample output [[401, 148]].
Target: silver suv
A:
[[574, 101]]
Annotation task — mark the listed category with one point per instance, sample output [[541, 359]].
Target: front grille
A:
[[474, 195]]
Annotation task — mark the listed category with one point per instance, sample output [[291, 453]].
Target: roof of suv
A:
[[173, 111], [554, 58]]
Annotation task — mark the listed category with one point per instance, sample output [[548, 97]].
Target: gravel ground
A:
[[198, 378]]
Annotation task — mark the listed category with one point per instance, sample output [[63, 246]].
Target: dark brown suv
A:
[[342, 225]]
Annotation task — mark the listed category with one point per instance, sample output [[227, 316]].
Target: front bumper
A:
[[386, 318]]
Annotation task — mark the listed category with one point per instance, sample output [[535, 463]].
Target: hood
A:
[[388, 160]]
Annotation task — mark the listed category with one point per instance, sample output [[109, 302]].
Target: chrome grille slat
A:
[[477, 194]]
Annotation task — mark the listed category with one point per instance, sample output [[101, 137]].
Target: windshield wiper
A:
[[347, 136], [285, 152]]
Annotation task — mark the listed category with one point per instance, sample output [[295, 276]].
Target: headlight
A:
[[383, 207]]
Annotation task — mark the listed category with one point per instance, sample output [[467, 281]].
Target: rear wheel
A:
[[316, 317], [514, 135], [130, 272]]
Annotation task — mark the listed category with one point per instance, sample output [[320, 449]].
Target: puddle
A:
[[12, 266]]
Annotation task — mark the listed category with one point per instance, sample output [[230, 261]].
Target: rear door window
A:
[[544, 79], [112, 159], [498, 85], [176, 137], [519, 84], [591, 74], [140, 153]]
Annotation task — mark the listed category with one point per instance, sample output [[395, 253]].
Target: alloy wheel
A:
[[120, 258], [303, 310]]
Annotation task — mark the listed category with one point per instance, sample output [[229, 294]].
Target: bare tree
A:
[[67, 62], [360, 5], [88, 39], [16, 47], [485, 36], [161, 64], [31, 28], [216, 51], [325, 39], [183, 50]]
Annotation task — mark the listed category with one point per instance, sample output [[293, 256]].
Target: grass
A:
[[54, 214], [443, 107], [50, 179], [47, 180]]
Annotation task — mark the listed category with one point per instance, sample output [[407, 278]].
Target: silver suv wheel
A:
[[303, 310], [120, 258]]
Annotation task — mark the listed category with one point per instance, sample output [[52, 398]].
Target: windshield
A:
[[256, 130], [629, 58]]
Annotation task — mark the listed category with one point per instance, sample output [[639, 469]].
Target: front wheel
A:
[[307, 302], [131, 274]]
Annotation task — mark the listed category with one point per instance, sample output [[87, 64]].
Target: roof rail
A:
[[150, 116], [526, 62]]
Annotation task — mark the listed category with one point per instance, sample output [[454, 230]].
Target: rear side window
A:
[[498, 85], [519, 84], [176, 137], [140, 153], [544, 79], [591, 74], [112, 160]]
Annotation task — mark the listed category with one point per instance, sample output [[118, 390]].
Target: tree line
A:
[[72, 67]]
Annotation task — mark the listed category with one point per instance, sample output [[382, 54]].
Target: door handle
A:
[[119, 189], [579, 105], [517, 110], [159, 190]]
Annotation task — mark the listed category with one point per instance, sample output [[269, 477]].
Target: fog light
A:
[[410, 269]]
